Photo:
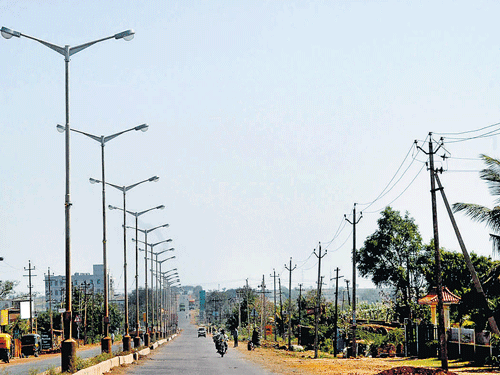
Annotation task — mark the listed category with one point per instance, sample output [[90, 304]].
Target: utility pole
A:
[[50, 309], [290, 269], [30, 286], [299, 304], [318, 311], [348, 295], [263, 317], [275, 317], [354, 259], [335, 322], [248, 308], [441, 329], [281, 311]]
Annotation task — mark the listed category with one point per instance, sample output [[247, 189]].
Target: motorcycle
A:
[[221, 344], [5, 347]]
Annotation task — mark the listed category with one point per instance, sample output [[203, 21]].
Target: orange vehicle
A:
[[5, 347]]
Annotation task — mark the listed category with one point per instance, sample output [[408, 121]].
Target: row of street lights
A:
[[68, 348]]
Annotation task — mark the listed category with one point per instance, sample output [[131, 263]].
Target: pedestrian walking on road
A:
[[235, 337]]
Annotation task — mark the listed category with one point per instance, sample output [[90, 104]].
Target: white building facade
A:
[[55, 286]]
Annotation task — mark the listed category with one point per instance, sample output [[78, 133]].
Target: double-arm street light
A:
[[157, 299], [168, 282], [68, 348], [152, 245], [137, 340], [106, 340], [126, 338]]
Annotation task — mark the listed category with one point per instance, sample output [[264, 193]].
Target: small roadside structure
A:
[[431, 299]]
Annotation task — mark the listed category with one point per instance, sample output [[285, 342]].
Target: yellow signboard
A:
[[4, 317]]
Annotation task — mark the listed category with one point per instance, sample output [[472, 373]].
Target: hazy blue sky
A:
[[268, 121]]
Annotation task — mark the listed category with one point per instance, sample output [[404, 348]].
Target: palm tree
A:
[[490, 216]]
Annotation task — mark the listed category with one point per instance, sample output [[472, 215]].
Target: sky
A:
[[268, 121]]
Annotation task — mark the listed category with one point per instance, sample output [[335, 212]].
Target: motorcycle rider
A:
[[220, 340]]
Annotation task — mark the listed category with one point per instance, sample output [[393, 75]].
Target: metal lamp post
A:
[[126, 338], [106, 340], [157, 302], [146, 231], [68, 348], [163, 299], [137, 339]]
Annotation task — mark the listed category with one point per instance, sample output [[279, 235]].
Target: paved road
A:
[[24, 366], [190, 355]]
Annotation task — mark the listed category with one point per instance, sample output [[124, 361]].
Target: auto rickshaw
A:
[[31, 344], [5, 347]]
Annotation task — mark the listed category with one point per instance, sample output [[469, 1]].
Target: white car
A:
[[202, 332]]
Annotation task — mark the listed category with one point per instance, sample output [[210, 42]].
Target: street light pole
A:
[[137, 339], [146, 231], [106, 340], [126, 338], [68, 348], [156, 303]]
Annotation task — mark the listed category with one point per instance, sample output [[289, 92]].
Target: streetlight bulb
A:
[[8, 33], [93, 181], [60, 128], [143, 127], [154, 179], [127, 35], [160, 207], [112, 207]]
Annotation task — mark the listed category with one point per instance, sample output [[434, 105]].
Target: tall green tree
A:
[[389, 257], [482, 214]]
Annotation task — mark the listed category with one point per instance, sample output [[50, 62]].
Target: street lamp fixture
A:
[[126, 338], [68, 347], [137, 214], [106, 340]]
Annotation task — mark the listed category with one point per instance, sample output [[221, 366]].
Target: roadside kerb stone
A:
[[106, 366]]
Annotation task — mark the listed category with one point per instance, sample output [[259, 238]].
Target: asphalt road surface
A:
[[190, 355]]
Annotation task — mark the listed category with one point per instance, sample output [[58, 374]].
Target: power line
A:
[[470, 131]]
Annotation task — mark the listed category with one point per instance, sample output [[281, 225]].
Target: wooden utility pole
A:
[[335, 322], [354, 260], [30, 286], [317, 311], [275, 317], [290, 269]]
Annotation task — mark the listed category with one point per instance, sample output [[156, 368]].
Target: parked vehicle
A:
[[31, 344], [5, 347], [202, 331]]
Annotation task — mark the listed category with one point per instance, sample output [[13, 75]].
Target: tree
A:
[[389, 256], [482, 214], [456, 277], [7, 288]]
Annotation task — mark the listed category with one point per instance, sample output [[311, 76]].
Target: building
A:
[[55, 286]]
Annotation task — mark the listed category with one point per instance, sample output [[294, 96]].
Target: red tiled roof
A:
[[432, 297]]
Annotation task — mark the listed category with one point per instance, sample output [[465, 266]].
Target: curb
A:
[[106, 366]]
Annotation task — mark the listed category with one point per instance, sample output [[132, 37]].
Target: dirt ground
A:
[[284, 362]]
